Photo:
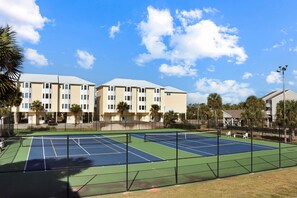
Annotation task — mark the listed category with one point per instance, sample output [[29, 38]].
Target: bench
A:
[[244, 135]]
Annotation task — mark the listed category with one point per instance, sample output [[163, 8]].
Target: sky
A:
[[228, 47]]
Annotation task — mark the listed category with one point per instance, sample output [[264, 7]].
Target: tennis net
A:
[[45, 141], [171, 136]]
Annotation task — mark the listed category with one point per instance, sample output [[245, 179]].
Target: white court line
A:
[[28, 155], [129, 151], [187, 148], [43, 152], [106, 145], [81, 147], [53, 148]]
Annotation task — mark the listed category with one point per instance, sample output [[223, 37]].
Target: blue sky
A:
[[229, 47]]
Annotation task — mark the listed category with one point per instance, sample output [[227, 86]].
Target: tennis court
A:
[[108, 150], [203, 143], [101, 150], [93, 163]]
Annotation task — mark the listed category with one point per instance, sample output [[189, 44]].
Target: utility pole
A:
[[282, 69]]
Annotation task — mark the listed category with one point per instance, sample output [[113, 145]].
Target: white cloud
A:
[[196, 98], [85, 59], [187, 17], [114, 29], [291, 83], [247, 75], [230, 90], [25, 18], [273, 77], [194, 39], [35, 58], [211, 68], [177, 70], [295, 72], [293, 49], [159, 24]]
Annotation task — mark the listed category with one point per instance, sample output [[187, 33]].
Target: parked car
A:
[[52, 122]]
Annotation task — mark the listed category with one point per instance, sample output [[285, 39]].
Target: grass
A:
[[273, 184]]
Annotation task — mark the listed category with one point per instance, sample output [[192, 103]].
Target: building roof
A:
[[46, 78], [234, 113], [273, 94], [121, 82], [173, 90]]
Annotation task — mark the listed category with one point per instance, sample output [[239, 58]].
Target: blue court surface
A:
[[203, 145], [54, 152], [50, 152]]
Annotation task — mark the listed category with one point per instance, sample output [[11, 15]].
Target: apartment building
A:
[[57, 93], [271, 99], [139, 95]]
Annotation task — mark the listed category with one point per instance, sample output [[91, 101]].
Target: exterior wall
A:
[[176, 102], [54, 102], [289, 95]]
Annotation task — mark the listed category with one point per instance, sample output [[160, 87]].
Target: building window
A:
[[141, 90], [142, 99], [47, 85], [157, 90], [168, 94], [128, 89]]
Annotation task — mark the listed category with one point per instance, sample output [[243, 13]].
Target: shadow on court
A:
[[52, 183]]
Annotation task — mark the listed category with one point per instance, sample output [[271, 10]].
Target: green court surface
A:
[[177, 167]]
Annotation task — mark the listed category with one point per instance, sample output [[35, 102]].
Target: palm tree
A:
[[11, 58], [155, 112], [214, 102], [291, 116], [122, 107], [253, 111], [169, 118], [76, 110], [37, 107]]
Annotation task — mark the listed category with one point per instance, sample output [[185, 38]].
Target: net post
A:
[[176, 157], [218, 154], [127, 162]]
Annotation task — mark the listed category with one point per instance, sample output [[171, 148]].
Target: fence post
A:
[[68, 183], [218, 154], [127, 163], [176, 158], [279, 148], [252, 151]]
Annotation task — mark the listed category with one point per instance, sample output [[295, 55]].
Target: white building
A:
[[271, 99], [139, 95], [57, 93]]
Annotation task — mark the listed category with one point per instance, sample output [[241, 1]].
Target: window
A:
[[81, 97], [141, 90], [157, 90], [66, 86], [85, 97], [128, 89], [69, 96], [46, 106], [66, 96], [62, 106], [110, 88], [85, 106], [85, 87], [26, 95], [142, 99], [66, 106], [30, 95], [168, 94], [26, 105]]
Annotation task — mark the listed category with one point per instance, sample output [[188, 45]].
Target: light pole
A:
[[282, 69], [198, 114]]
